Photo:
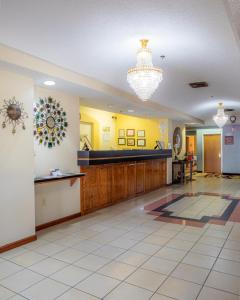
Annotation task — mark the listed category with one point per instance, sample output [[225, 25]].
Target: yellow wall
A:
[[155, 129]]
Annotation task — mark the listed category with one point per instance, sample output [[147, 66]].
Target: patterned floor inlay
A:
[[196, 209]]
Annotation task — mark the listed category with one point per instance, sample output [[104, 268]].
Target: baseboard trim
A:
[[18, 243], [58, 221], [231, 174]]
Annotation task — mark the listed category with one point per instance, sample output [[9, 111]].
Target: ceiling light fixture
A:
[[220, 118], [49, 82], [130, 110], [144, 78]]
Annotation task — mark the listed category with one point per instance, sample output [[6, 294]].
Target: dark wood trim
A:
[[58, 221], [18, 243], [46, 179], [231, 174]]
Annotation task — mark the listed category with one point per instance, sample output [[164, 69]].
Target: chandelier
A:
[[220, 118], [144, 78]]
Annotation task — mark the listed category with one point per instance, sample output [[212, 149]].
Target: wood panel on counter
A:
[[106, 184]]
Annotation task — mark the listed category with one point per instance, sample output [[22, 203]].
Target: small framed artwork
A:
[[121, 141], [121, 133], [229, 139], [141, 133], [141, 142], [131, 142], [130, 132]]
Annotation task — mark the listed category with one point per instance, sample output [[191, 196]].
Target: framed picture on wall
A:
[[229, 140], [121, 141], [141, 133], [130, 132], [121, 133], [141, 142], [131, 142]]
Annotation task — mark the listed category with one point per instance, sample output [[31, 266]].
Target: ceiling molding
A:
[[28, 62], [233, 12]]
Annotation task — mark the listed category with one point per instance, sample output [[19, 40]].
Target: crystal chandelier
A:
[[144, 78], [220, 118]]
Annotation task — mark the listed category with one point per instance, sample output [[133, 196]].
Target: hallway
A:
[[123, 252]]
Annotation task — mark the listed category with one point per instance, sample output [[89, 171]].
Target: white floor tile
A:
[[87, 246], [209, 293], [69, 255], [8, 268], [132, 258], [92, 262], [160, 265], [180, 289], [5, 293], [109, 251], [74, 294], [160, 297], [46, 289], [97, 285], [190, 273], [227, 266], [28, 258], [117, 270], [146, 279], [180, 244], [146, 248], [230, 255], [48, 266], [129, 292], [171, 254], [224, 282], [212, 241], [124, 243], [49, 249], [199, 260], [21, 280], [156, 240], [71, 275], [206, 249]]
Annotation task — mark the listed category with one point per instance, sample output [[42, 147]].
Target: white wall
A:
[[17, 211], [57, 200]]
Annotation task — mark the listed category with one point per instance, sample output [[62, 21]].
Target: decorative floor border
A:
[[231, 213]]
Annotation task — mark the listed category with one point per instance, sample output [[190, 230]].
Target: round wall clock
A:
[[50, 122], [233, 119], [13, 114], [177, 140]]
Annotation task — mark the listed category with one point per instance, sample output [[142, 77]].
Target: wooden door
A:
[[118, 182], [131, 179], [156, 173], [140, 177], [212, 153], [88, 189], [104, 178], [148, 175]]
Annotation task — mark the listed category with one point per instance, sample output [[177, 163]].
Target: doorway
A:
[[212, 153]]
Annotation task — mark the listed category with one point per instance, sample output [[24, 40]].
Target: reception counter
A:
[[114, 176]]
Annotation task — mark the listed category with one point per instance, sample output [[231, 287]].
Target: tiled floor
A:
[[123, 253]]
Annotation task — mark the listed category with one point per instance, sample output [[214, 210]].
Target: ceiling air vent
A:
[[196, 85]]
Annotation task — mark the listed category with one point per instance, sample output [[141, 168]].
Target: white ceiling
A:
[[100, 38]]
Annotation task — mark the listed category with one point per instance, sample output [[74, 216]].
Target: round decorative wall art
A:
[[177, 140], [50, 122], [13, 114]]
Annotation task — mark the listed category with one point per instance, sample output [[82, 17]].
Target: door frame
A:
[[203, 158]]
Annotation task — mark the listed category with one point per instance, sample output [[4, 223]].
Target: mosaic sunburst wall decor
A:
[[50, 122], [13, 114]]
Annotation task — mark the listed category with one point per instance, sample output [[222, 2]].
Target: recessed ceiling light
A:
[[130, 110], [49, 82]]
